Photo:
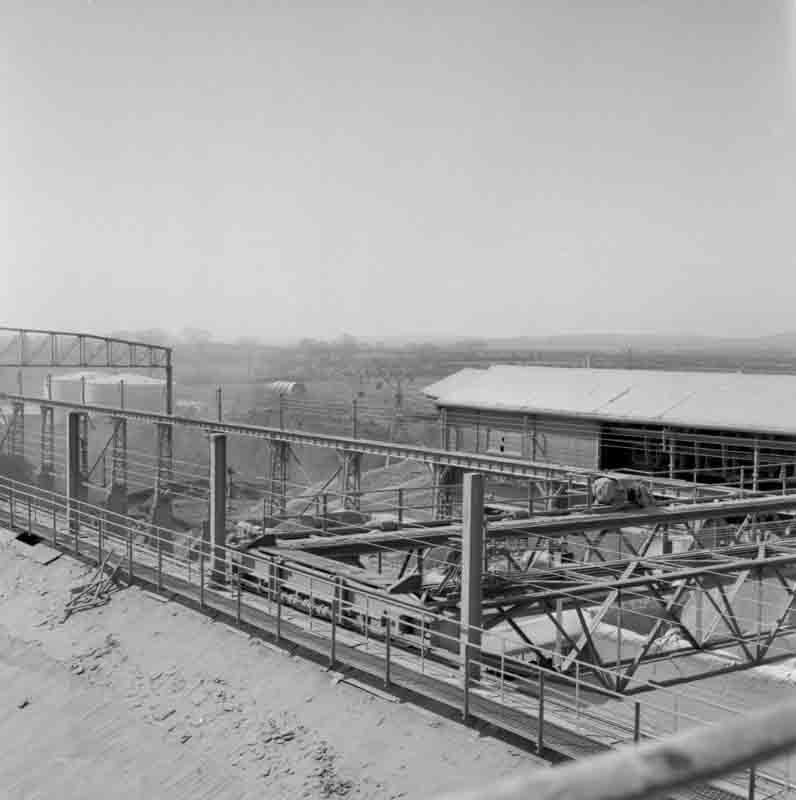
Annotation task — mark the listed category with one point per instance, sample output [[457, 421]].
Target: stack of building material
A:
[[98, 590]]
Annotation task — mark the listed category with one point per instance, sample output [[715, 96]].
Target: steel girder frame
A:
[[594, 550], [47, 455], [17, 430], [119, 454], [677, 597], [555, 526], [478, 462], [279, 473], [32, 347]]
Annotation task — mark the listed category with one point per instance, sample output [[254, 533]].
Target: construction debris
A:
[[98, 590]]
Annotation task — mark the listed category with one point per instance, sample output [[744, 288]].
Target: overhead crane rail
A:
[[476, 462]]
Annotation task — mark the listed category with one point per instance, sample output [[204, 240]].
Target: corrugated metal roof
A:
[[732, 401]]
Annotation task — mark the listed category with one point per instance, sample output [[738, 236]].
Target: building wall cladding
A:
[[537, 437], [710, 427], [572, 441]]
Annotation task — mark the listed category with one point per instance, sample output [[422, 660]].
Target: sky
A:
[[283, 170]]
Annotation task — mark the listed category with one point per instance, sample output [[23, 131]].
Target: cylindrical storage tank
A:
[[141, 392]]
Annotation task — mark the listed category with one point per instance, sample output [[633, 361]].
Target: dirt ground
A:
[[146, 699]]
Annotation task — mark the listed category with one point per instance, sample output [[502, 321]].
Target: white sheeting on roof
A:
[[734, 401], [286, 387]]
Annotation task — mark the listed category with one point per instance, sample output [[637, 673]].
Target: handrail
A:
[[521, 697], [93, 512], [651, 770]]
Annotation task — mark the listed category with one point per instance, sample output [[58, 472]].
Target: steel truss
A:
[[281, 454], [17, 430], [693, 597], [47, 464], [350, 478], [694, 601], [119, 454], [30, 347]]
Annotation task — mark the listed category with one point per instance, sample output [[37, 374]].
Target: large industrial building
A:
[[710, 427]]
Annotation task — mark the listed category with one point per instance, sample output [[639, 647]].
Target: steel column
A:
[[280, 468], [350, 479], [472, 558], [218, 506], [74, 475]]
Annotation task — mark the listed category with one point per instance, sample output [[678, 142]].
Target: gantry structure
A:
[[693, 597]]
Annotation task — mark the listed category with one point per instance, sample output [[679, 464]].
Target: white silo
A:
[[140, 392], [68, 388]]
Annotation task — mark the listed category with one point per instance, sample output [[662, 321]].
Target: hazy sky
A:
[[493, 168]]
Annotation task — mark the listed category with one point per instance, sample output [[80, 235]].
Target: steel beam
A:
[[477, 462], [556, 526]]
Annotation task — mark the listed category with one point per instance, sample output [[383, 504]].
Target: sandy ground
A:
[[147, 699]]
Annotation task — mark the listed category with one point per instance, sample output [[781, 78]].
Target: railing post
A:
[[540, 719], [387, 636], [752, 780], [30, 516], [100, 536], [160, 566], [130, 555], [324, 512], [333, 645], [637, 721], [202, 579], [55, 523], [466, 686], [277, 583], [367, 623], [11, 506], [502, 669], [237, 599], [400, 508]]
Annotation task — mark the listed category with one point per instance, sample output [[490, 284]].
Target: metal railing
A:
[[658, 769], [389, 638]]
